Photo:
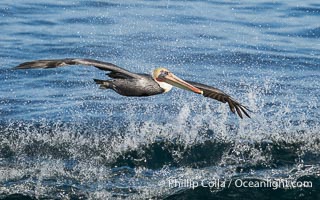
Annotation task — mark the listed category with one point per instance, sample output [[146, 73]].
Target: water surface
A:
[[61, 137]]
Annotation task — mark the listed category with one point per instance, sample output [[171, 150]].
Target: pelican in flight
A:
[[127, 83]]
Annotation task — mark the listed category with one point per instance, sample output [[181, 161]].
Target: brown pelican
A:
[[131, 84]]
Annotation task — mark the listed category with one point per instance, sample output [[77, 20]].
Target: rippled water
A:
[[61, 137]]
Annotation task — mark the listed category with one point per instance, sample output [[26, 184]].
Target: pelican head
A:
[[167, 79]]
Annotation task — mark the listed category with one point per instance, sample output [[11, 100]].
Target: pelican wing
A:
[[214, 93], [114, 69]]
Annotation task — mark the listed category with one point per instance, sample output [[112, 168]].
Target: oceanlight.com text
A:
[[238, 183]]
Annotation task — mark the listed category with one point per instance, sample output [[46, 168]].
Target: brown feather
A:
[[214, 93]]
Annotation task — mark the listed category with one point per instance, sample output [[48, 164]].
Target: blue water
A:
[[63, 138]]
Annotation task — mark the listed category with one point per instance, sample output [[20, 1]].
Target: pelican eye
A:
[[164, 72]]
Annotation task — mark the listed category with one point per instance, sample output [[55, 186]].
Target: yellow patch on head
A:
[[158, 71], [167, 87]]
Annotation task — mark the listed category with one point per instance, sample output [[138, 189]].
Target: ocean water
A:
[[63, 138]]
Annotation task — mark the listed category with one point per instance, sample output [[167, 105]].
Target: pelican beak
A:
[[177, 82]]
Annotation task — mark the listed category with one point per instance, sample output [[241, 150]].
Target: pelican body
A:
[[127, 83], [143, 86]]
